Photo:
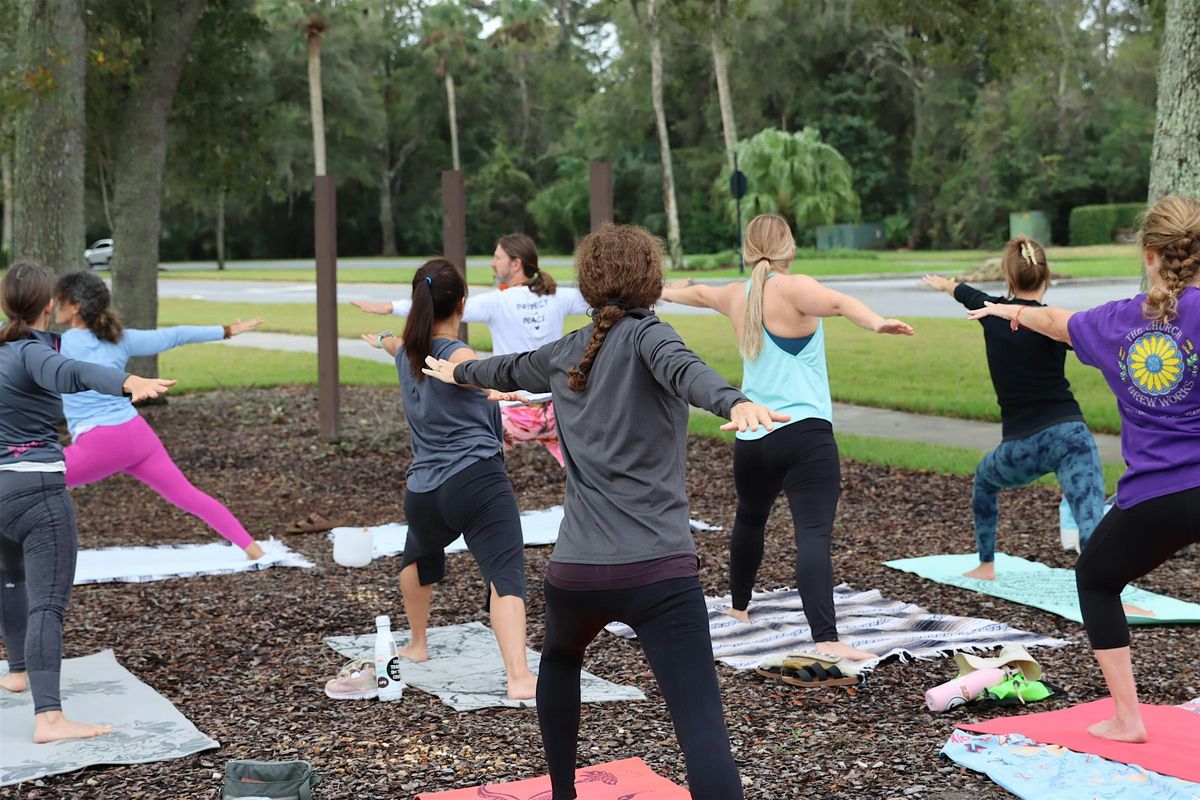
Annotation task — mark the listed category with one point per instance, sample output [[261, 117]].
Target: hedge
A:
[[1098, 224]]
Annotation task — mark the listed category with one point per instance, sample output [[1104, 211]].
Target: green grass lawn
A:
[[942, 370]]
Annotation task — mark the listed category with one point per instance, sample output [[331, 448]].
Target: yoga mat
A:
[[538, 528], [95, 688], [629, 779], [142, 564], [1048, 588], [465, 671], [865, 620], [1033, 771], [1173, 747]]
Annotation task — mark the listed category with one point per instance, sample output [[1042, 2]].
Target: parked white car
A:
[[99, 254]]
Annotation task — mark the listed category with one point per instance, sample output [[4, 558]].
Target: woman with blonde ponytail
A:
[[1146, 348], [777, 319]]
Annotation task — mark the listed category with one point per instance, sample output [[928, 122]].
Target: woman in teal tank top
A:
[[777, 320]]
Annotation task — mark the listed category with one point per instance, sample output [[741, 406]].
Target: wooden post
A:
[[454, 225], [600, 190], [329, 390]]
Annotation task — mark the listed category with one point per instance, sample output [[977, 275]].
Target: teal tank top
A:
[[796, 385]]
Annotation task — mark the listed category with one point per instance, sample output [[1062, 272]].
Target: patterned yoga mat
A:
[[865, 620], [95, 688], [1035, 771], [166, 561]]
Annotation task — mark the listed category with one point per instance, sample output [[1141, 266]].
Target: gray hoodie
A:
[[32, 376], [624, 439]]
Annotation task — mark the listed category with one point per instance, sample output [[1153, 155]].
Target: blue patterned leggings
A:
[[1068, 450]]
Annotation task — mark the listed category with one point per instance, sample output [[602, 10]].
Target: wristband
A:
[[228, 330], [379, 337], [1016, 320]]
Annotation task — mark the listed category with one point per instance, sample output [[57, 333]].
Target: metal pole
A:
[[600, 193], [328, 388], [454, 225]]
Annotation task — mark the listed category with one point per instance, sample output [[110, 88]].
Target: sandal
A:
[[816, 675], [792, 665], [313, 523]]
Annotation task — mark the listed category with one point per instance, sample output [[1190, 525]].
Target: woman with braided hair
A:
[[1146, 349], [777, 319], [1042, 427], [622, 386]]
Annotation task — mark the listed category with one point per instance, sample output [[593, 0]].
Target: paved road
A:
[[892, 297], [345, 263]]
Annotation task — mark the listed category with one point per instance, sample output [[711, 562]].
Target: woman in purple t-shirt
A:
[[1146, 347]]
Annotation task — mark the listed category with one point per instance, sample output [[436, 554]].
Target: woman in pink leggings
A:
[[108, 435]]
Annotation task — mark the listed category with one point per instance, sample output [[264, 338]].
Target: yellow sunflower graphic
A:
[[1155, 363]]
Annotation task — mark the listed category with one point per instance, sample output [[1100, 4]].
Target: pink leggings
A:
[[134, 448]]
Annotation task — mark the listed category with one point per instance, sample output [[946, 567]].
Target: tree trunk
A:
[[1175, 160], [6, 236], [453, 121], [674, 243], [316, 104], [49, 155], [721, 68], [104, 204], [221, 230], [141, 153], [387, 223], [523, 83]]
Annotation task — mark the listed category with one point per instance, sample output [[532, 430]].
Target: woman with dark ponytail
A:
[[622, 386], [526, 312], [108, 435], [1146, 348], [38, 537], [456, 483]]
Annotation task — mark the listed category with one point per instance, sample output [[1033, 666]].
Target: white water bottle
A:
[[387, 662], [1068, 529]]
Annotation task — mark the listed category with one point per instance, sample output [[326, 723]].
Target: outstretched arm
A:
[[153, 342], [687, 293], [62, 375], [1046, 320], [507, 373], [816, 300]]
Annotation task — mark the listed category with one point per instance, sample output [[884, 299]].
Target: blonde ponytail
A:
[[769, 244], [1171, 228]]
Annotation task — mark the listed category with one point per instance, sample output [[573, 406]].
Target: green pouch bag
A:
[[275, 780]]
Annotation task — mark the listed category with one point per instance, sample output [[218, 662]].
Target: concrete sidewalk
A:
[[858, 420]]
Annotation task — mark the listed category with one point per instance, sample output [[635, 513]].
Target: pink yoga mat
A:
[[1173, 747], [619, 779]]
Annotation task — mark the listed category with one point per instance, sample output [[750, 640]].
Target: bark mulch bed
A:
[[242, 655]]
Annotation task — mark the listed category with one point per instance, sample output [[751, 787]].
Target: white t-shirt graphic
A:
[[520, 320]]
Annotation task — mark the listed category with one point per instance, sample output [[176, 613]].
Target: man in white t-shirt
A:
[[526, 312]]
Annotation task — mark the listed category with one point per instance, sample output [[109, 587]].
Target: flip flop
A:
[[791, 665], [313, 523], [814, 676]]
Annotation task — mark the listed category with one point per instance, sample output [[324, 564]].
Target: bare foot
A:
[[15, 682], [741, 616], [1136, 611], [254, 551], [843, 650], [522, 687], [1132, 731], [414, 652], [52, 726], [986, 571]]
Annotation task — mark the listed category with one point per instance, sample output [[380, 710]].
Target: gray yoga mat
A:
[[95, 688], [465, 671]]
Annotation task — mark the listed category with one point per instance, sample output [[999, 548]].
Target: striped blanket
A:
[[865, 620]]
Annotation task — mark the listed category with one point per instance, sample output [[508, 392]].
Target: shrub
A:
[[1098, 224]]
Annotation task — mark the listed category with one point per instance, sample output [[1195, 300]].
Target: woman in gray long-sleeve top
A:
[[38, 539], [621, 388]]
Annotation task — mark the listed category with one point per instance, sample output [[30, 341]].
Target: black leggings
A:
[[671, 622], [38, 547], [802, 459], [1127, 544]]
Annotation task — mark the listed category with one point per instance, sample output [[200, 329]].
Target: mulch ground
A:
[[242, 655]]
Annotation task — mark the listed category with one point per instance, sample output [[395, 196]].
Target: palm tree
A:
[[314, 29], [523, 27], [450, 34], [718, 16], [654, 23], [798, 176]]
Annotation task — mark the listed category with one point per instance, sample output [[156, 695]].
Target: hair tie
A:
[[429, 281], [619, 303]]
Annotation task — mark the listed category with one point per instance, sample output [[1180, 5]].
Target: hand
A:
[[941, 284], [389, 344], [1002, 310], [145, 388], [372, 307], [244, 327], [497, 396], [894, 327], [682, 283], [748, 416], [439, 368]]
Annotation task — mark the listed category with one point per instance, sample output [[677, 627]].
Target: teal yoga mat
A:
[[1032, 584]]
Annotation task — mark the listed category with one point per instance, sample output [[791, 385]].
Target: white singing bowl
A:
[[353, 547]]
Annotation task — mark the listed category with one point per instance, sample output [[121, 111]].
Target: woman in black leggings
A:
[[1146, 347], [625, 552], [777, 318], [38, 538]]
